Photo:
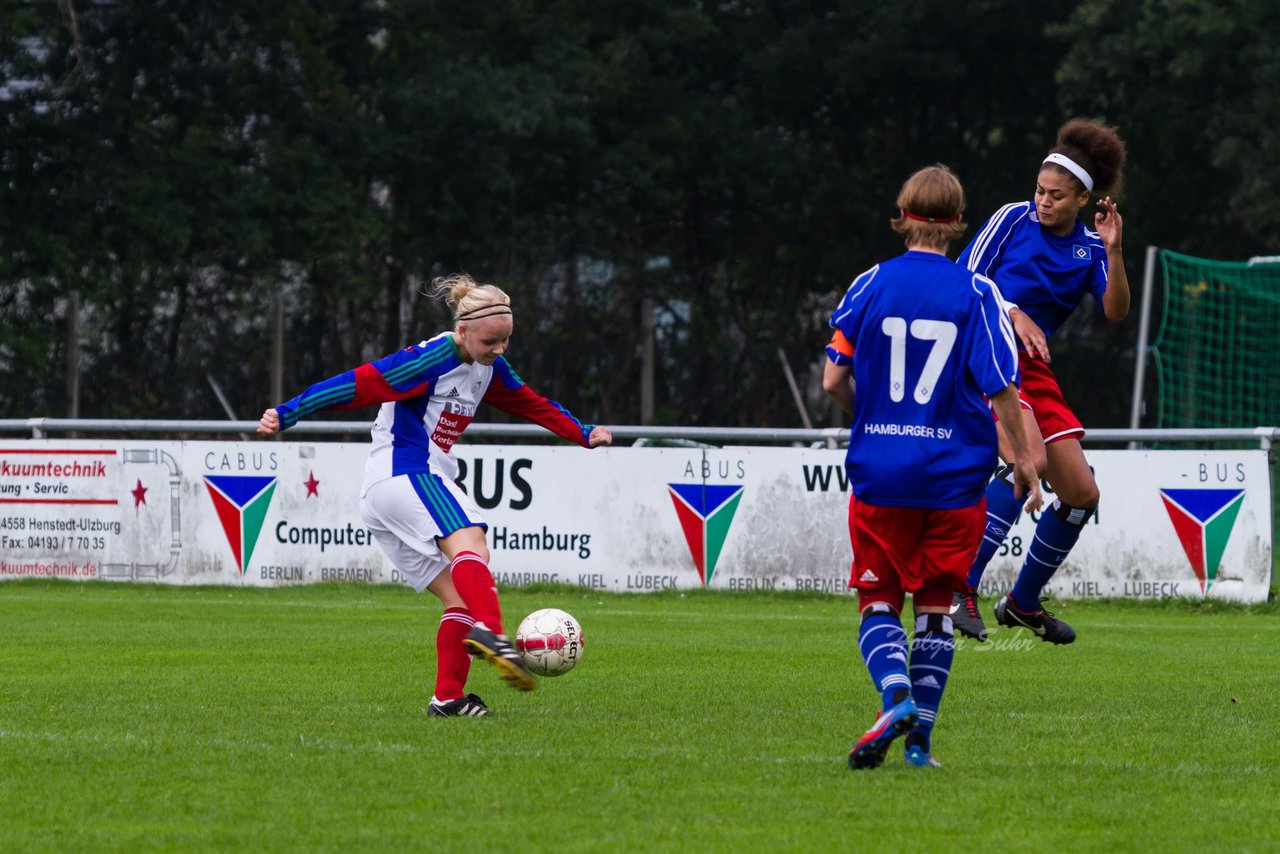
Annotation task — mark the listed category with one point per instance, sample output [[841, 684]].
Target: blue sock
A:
[[1003, 511], [932, 650], [884, 648], [1059, 528]]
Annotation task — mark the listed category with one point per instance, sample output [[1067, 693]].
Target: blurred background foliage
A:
[[181, 165]]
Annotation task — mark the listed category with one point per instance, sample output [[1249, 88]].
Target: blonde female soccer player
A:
[[424, 522]]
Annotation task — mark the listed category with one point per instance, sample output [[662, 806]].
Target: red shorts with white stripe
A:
[[1040, 395], [1040, 390], [923, 551]]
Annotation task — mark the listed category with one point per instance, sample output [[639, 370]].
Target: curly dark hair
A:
[[1098, 148]]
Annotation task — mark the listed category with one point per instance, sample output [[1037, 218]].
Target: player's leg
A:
[[1003, 510], [453, 661], [1059, 528], [883, 643], [948, 541], [468, 556], [1060, 525], [432, 514], [469, 571], [881, 638], [387, 510], [460, 535], [932, 651]]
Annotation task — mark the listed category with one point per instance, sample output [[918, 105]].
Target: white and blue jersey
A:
[[1044, 274], [928, 341], [429, 395]]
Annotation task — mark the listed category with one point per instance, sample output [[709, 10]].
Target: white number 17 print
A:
[[943, 335]]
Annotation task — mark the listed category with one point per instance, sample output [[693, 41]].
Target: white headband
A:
[[1071, 166]]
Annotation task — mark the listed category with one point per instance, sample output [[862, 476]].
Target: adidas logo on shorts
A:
[[868, 577]]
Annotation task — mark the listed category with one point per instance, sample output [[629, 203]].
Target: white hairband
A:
[[1073, 167]]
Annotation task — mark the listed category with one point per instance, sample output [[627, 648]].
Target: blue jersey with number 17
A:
[[930, 342]]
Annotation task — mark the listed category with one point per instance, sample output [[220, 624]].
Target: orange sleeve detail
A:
[[841, 345]]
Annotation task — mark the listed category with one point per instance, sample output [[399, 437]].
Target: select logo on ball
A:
[[549, 642]]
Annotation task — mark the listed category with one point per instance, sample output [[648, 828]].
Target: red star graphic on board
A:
[[139, 494], [312, 485]]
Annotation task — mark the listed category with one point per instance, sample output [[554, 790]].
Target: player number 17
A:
[[943, 335]]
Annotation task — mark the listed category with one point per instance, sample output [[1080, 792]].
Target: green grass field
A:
[[138, 717]]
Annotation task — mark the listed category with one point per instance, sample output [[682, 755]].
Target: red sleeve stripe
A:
[[372, 387]]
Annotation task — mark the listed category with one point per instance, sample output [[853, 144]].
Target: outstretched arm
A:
[[510, 394], [404, 374], [1110, 227]]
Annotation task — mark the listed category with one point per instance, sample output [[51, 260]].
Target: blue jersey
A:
[[930, 340], [1046, 275]]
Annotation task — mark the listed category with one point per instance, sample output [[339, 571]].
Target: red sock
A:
[[474, 583], [452, 661]]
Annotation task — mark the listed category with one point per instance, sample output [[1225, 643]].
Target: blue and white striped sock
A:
[[932, 651], [883, 643], [1056, 534], [1003, 510]]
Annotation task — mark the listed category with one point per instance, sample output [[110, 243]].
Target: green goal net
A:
[[1216, 355]]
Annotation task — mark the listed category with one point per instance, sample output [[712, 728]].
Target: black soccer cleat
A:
[[1040, 622], [470, 706], [498, 651], [965, 616]]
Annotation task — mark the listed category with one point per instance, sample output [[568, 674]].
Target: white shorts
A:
[[408, 513]]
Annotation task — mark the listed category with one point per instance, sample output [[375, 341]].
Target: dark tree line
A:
[[182, 164]]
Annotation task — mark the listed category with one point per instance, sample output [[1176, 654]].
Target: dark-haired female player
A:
[[1044, 259]]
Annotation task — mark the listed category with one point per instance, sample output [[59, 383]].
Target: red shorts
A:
[[1040, 391], [919, 550]]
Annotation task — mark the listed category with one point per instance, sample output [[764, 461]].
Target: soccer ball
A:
[[549, 641]]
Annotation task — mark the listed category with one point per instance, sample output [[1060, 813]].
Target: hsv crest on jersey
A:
[[241, 503], [1203, 520], [705, 512], [1081, 252]]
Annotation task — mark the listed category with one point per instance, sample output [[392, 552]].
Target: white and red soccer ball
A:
[[549, 641]]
